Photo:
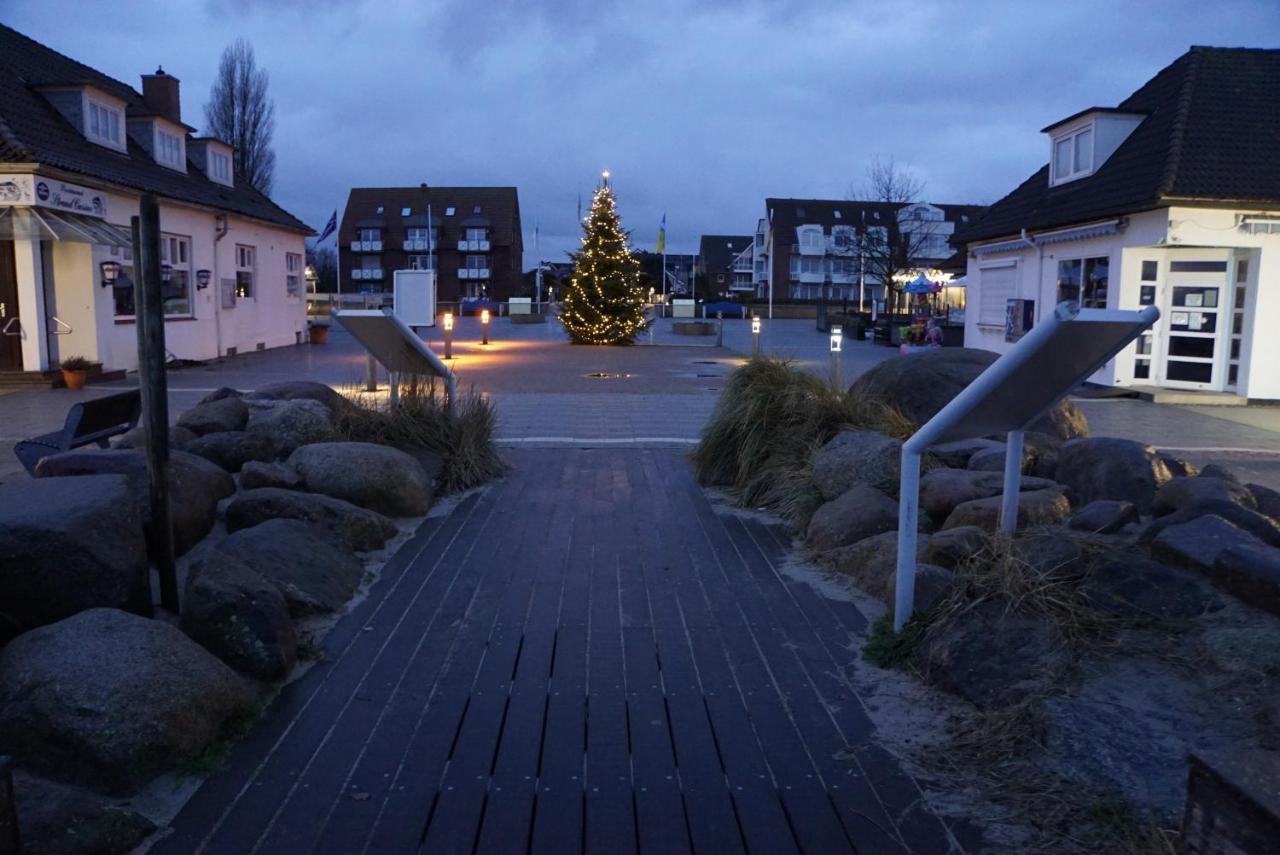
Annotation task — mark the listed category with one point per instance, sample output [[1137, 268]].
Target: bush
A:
[[76, 363], [420, 419], [769, 421]]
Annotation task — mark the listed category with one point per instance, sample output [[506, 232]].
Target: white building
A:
[[1170, 199], [77, 151]]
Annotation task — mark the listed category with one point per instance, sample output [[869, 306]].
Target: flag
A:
[[662, 233], [329, 228]]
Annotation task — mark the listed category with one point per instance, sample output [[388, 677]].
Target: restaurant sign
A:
[[36, 190]]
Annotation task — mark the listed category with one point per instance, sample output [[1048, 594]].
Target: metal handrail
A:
[[57, 322], [5, 329]]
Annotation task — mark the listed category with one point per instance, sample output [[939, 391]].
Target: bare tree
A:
[[324, 260], [894, 248], [240, 113]]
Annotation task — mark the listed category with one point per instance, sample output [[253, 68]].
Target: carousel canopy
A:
[[922, 285]]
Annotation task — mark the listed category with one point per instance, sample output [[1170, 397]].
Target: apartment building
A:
[[725, 263]]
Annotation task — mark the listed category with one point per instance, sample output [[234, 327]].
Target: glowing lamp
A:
[[755, 325], [110, 272], [837, 337], [448, 321], [484, 316]]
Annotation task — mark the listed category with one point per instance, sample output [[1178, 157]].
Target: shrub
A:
[[76, 363]]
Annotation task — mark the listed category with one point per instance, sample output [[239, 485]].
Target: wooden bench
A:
[[93, 421]]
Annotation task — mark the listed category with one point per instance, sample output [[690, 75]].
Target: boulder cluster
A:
[[92, 693]]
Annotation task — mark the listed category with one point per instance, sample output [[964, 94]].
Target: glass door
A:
[[1191, 337]]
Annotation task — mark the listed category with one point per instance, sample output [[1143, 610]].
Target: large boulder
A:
[[372, 476], [1035, 507], [67, 545], [220, 393], [1262, 527], [952, 547], [1196, 544], [195, 485], [933, 586], [56, 819], [1182, 492], [231, 449], [870, 561], [957, 453], [313, 572], [857, 457], [1266, 500], [255, 474], [1142, 588], [1250, 572], [224, 414], [856, 514], [238, 615], [1104, 467], [359, 528], [137, 437], [111, 699], [992, 459], [941, 490], [290, 424], [303, 390], [921, 384], [990, 655], [1104, 516]]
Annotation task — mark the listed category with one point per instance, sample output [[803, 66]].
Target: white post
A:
[[31, 310], [1012, 482], [908, 514]]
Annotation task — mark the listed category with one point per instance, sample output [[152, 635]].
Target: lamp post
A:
[[484, 326], [110, 271], [755, 336], [448, 335], [837, 340]]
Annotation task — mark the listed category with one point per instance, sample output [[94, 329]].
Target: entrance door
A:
[[1192, 332], [10, 331]]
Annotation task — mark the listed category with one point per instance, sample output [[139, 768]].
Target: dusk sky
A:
[[699, 109]]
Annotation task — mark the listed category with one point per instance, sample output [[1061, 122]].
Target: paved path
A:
[[586, 657]]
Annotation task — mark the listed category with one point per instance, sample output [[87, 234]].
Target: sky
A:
[[699, 108]]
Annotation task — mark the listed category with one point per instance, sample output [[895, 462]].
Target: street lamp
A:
[[448, 335], [484, 326], [755, 335], [837, 340], [110, 272]]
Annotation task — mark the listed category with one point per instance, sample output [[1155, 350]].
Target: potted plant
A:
[[75, 371], [319, 333]]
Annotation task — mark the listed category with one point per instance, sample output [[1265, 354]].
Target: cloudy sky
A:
[[700, 109]]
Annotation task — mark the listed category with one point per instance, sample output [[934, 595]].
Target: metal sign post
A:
[[1061, 352], [400, 350]]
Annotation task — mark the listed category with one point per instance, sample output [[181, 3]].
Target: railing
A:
[[366, 246], [419, 245], [372, 273]]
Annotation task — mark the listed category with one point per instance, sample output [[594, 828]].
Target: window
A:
[[1150, 270], [122, 288], [293, 274], [476, 209], [418, 233], [380, 209], [477, 262], [103, 124], [168, 149], [175, 295], [1197, 267], [422, 262], [219, 167], [370, 235], [811, 238], [1073, 155], [997, 285], [448, 212], [477, 234], [371, 262], [244, 271], [810, 264], [1084, 281], [404, 212], [836, 214]]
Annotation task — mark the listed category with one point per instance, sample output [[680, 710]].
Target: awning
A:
[[45, 224]]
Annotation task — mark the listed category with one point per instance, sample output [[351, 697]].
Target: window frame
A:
[[1086, 299], [1071, 138], [169, 149], [293, 274], [117, 125], [243, 251]]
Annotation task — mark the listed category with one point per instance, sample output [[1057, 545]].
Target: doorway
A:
[[10, 325], [1196, 314]]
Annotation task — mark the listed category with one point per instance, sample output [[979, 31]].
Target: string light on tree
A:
[[603, 303]]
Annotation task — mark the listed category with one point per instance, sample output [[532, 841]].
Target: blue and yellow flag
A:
[[662, 233]]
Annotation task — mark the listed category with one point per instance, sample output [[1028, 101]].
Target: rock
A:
[[956, 454], [921, 384], [224, 414], [290, 424], [1104, 516], [1142, 588], [137, 438], [857, 457], [255, 474], [992, 460], [312, 572], [1261, 527], [1196, 544], [372, 476], [109, 699], [1128, 730], [989, 656], [359, 528], [941, 490], [1266, 500], [1221, 473], [195, 485], [303, 390], [1253, 649], [870, 561], [67, 545], [951, 547], [1180, 492], [934, 586], [1035, 507], [232, 449], [1252, 573], [238, 615], [1109, 468], [1177, 466], [56, 819], [221, 393], [1044, 453], [856, 514], [1059, 554]]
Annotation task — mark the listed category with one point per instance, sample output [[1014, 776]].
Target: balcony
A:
[[742, 265], [473, 273], [473, 246], [372, 273], [419, 246], [366, 246]]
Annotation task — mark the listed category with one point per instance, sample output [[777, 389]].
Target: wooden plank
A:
[[558, 810]]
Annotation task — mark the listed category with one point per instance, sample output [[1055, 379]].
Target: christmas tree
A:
[[603, 303]]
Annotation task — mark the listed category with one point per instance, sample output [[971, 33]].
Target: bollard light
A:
[[755, 335], [484, 325], [448, 335], [755, 325], [448, 321], [837, 338]]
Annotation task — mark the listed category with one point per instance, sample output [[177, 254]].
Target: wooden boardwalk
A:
[[585, 657]]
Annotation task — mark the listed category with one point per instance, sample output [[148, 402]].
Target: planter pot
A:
[[75, 379], [319, 334]]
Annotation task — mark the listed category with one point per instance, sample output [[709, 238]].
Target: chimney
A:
[[160, 93]]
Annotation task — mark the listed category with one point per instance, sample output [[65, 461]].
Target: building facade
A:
[[1156, 202], [724, 264], [469, 235], [77, 151], [805, 249]]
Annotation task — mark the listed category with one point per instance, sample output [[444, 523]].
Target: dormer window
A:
[[102, 124], [1073, 155], [169, 149], [219, 167]]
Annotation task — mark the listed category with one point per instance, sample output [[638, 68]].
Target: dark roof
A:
[[958, 262], [499, 209], [1211, 133], [718, 251], [33, 131], [790, 213]]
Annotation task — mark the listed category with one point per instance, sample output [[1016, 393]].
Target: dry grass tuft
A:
[[420, 419]]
